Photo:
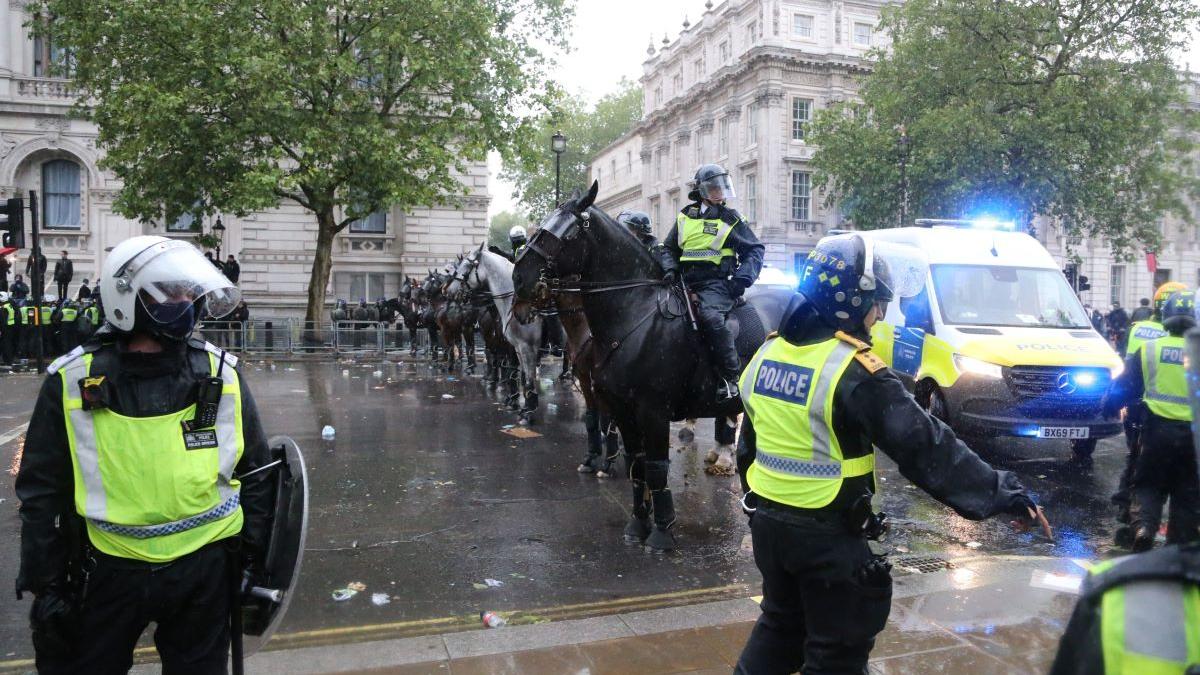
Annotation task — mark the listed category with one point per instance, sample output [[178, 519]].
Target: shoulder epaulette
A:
[[692, 211], [230, 359], [1170, 563], [863, 353], [730, 216], [89, 347]]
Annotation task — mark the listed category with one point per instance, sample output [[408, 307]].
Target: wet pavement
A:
[[424, 499]]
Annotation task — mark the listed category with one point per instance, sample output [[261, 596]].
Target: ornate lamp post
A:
[[903, 143], [558, 143], [218, 229]]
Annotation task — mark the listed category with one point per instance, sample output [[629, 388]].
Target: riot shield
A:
[[1191, 364], [264, 606]]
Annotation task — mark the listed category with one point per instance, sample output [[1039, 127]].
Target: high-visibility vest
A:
[[28, 313], [702, 239], [1142, 331], [147, 488], [69, 314], [788, 392], [1164, 379], [10, 314], [93, 314], [1149, 612], [47, 314]]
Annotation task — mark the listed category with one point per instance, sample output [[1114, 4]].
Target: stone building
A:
[[44, 149], [738, 87]]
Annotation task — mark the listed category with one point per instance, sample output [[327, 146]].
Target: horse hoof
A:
[[686, 435], [661, 541], [637, 530], [586, 467], [711, 457]]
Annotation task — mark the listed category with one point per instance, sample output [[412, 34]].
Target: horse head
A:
[[465, 276], [556, 250]]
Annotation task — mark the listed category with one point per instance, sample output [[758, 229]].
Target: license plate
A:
[[1063, 432]]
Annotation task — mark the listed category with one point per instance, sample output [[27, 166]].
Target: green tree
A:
[[587, 132], [501, 223], [1069, 109], [342, 106]]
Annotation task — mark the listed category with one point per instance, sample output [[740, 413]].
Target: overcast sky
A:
[[610, 42]]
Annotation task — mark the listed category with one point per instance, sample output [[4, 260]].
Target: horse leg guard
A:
[[638, 528], [531, 405], [661, 538], [591, 422], [612, 445]]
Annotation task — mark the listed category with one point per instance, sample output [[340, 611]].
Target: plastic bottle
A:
[[492, 620], [327, 433]]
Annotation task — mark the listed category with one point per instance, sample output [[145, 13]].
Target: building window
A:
[[801, 195], [184, 223], [49, 59], [629, 161], [699, 148], [658, 165], [723, 51], [752, 124], [751, 33], [656, 210], [751, 197], [862, 34], [1116, 286], [802, 25], [723, 138], [657, 96], [677, 83], [1161, 276], [368, 286], [699, 68], [376, 223], [801, 116], [613, 169], [60, 185]]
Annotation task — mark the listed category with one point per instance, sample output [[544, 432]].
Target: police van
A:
[[997, 343]]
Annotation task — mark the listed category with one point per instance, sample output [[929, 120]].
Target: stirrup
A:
[[727, 391]]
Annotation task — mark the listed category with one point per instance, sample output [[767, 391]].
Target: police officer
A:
[[29, 330], [1166, 465], [48, 329], [68, 334], [719, 258], [131, 502], [1148, 328], [816, 400], [8, 329], [639, 224], [517, 238]]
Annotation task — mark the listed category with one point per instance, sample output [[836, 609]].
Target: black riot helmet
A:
[[845, 275], [1179, 312], [638, 222], [712, 183]]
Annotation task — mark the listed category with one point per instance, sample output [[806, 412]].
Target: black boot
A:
[[661, 538], [1143, 539], [638, 527]]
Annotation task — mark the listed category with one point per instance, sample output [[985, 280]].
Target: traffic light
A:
[[1072, 274], [1084, 284], [12, 224]]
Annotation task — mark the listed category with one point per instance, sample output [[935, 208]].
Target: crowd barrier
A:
[[295, 336]]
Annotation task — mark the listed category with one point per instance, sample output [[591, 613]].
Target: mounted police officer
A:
[[517, 238], [1150, 328], [719, 258], [639, 224], [816, 401], [131, 503], [1154, 379]]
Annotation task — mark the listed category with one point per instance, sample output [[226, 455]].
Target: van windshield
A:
[[984, 295]]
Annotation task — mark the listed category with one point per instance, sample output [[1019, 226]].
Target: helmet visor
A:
[[900, 270], [717, 188], [178, 276]]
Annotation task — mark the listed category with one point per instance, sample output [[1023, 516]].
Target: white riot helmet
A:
[[4, 296], [517, 235], [166, 277]]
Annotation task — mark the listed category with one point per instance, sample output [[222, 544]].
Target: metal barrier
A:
[[294, 336]]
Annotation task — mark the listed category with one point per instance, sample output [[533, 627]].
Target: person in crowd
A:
[[19, 289], [85, 292], [64, 271], [233, 271], [41, 269], [5, 266], [9, 327], [1142, 312], [1118, 326]]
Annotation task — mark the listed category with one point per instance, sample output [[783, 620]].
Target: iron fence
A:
[[295, 336]]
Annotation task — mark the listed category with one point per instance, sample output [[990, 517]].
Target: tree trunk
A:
[[322, 263]]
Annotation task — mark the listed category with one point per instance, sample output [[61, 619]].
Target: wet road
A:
[[422, 498]]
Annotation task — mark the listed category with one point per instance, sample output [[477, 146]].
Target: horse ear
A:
[[589, 198]]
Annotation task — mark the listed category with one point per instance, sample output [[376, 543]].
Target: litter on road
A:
[[342, 594], [520, 432], [380, 599]]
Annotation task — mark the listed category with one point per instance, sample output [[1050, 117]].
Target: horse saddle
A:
[[743, 323]]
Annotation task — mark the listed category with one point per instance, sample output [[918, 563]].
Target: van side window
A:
[[916, 312]]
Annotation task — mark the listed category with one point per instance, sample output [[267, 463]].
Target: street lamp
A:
[[218, 229], [904, 141], [558, 143]]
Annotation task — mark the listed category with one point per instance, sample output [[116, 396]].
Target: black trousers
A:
[[8, 344], [1132, 426], [714, 302], [1166, 469], [816, 616], [62, 289], [188, 600]]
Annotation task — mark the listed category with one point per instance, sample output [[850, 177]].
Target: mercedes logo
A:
[[1065, 385]]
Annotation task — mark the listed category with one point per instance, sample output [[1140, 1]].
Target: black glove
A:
[[54, 619], [736, 288], [1020, 505], [671, 277]]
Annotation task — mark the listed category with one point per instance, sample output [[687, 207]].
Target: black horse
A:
[[408, 305], [651, 366], [431, 302]]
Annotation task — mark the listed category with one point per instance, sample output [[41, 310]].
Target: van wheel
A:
[[1083, 449], [936, 403]]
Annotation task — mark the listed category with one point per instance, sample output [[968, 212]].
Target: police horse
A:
[[651, 366], [488, 272]]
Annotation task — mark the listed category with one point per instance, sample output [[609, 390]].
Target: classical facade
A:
[[42, 148], [738, 87]]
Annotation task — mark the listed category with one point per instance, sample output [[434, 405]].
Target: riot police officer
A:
[[517, 238], [639, 224], [1154, 379], [719, 258], [816, 401], [157, 429], [1139, 332], [9, 325]]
